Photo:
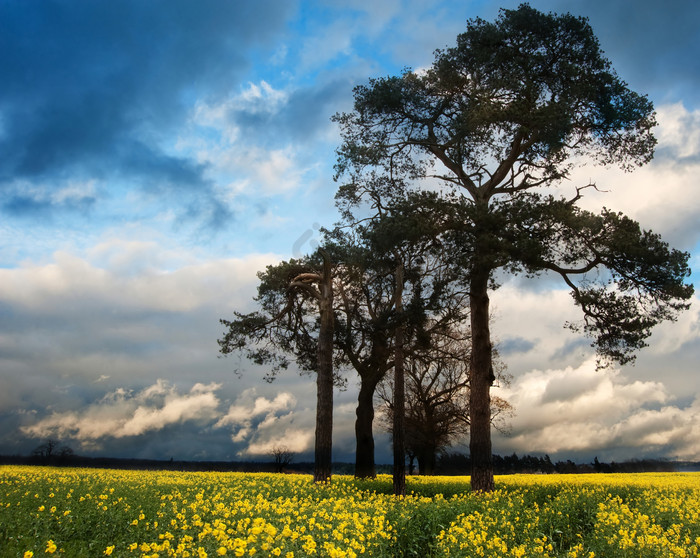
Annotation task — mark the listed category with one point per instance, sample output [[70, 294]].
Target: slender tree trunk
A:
[[364, 437], [429, 437], [324, 380], [481, 378], [399, 393]]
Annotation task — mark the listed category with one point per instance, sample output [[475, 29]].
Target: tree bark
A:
[[364, 451], [481, 379], [324, 379], [430, 461], [399, 476]]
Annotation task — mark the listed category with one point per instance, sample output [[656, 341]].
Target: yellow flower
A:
[[28, 554], [108, 551], [50, 547], [221, 551]]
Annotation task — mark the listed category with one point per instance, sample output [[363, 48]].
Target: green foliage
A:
[[461, 154], [286, 325]]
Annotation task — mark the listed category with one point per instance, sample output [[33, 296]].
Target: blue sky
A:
[[156, 155]]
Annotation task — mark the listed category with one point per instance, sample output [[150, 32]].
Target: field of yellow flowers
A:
[[94, 513]]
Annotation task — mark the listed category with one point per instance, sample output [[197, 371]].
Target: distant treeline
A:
[[447, 464], [457, 463], [149, 464]]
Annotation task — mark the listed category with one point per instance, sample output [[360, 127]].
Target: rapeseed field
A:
[[149, 514]]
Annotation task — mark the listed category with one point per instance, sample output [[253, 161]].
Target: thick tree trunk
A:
[[427, 461], [364, 437], [324, 380], [399, 394], [481, 378], [430, 461]]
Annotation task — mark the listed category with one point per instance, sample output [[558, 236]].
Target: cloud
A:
[[545, 311], [28, 200], [515, 345], [122, 413], [678, 135], [567, 409], [670, 337], [659, 195], [564, 411], [264, 140], [652, 49], [243, 413], [96, 91], [295, 440], [132, 281], [126, 312], [262, 424]]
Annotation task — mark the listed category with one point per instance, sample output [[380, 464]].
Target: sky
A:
[[154, 156]]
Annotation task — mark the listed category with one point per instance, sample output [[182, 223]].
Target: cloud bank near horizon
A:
[[617, 414], [570, 411]]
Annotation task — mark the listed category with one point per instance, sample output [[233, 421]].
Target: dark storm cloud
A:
[[92, 90], [656, 50]]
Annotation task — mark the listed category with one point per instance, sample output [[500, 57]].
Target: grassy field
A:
[[93, 513]]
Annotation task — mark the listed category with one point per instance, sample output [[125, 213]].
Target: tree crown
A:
[[505, 110], [476, 139]]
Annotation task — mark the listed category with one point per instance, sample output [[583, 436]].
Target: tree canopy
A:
[[296, 318], [482, 138]]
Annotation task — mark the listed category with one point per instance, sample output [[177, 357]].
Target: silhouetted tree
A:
[[495, 121], [47, 449], [53, 450], [437, 399], [282, 457], [296, 318]]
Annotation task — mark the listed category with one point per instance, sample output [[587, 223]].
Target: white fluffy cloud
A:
[[661, 195], [293, 439], [248, 167], [563, 411], [122, 413], [70, 279], [263, 424], [565, 407], [529, 329], [529, 326]]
